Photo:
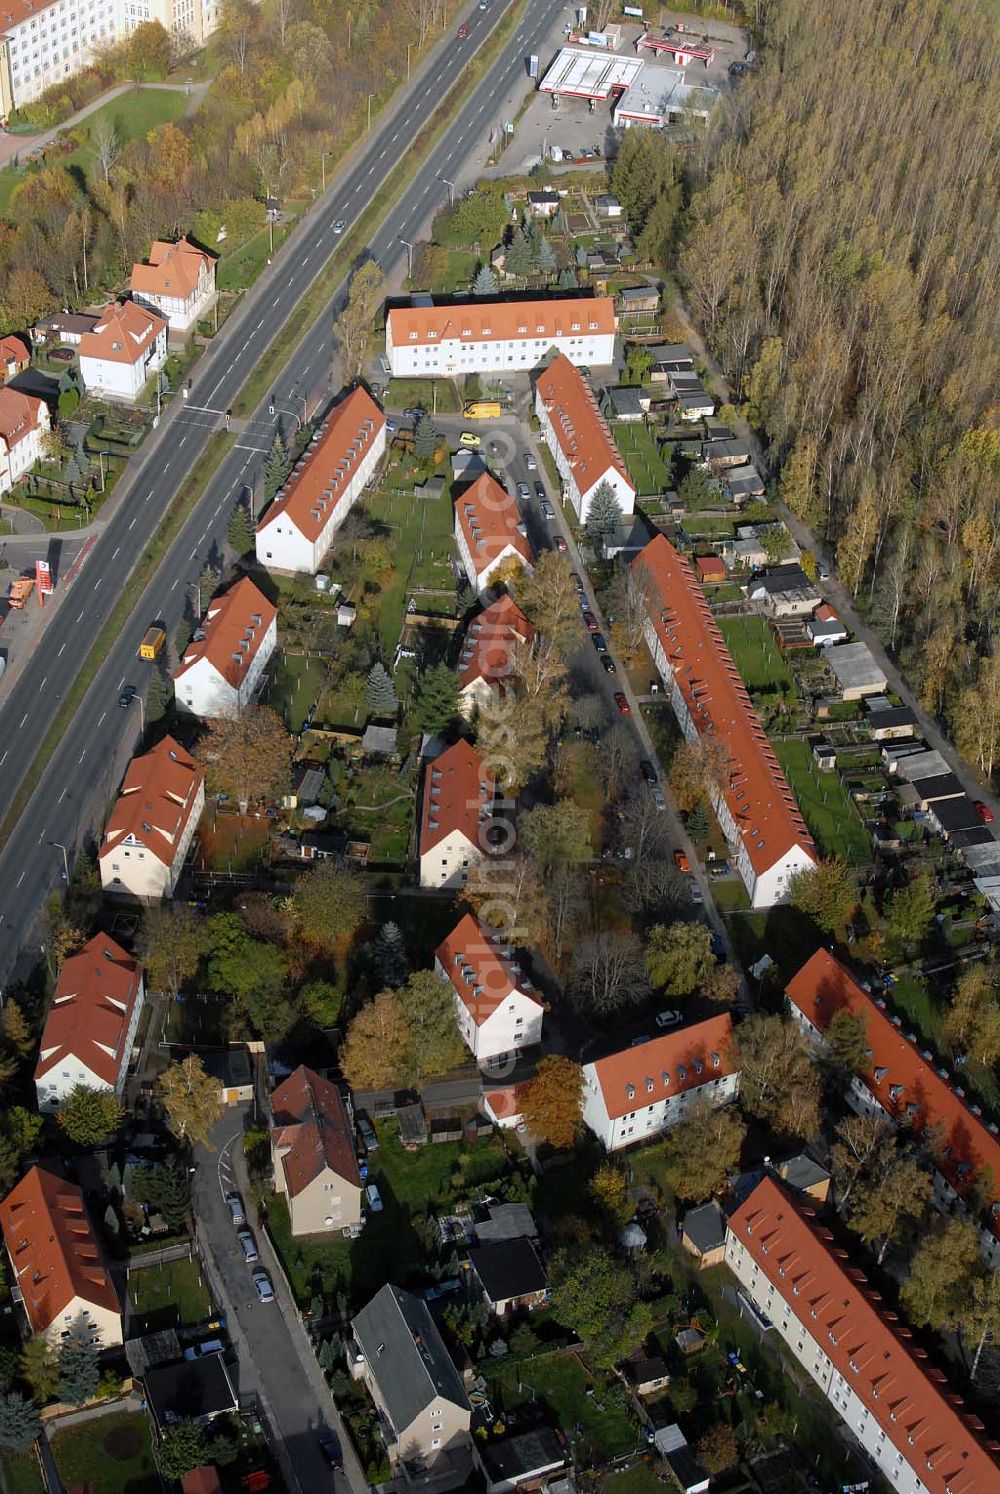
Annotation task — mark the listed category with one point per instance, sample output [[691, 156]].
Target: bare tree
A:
[[108, 143], [609, 971]]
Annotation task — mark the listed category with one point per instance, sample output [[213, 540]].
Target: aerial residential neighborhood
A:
[[499, 749]]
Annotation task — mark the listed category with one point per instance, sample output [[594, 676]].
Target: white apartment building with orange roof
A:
[[499, 1012], [481, 336], [580, 438], [489, 530], [177, 280], [24, 421], [152, 823], [222, 666], [455, 816], [341, 459], [122, 351], [488, 651]]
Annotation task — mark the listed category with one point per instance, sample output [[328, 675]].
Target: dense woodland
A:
[[842, 255]]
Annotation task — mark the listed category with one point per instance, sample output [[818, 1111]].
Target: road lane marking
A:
[[44, 683], [63, 794], [3, 759], [58, 656], [115, 555], [182, 440], [23, 720], [80, 759], [131, 526], [101, 722], [21, 878]]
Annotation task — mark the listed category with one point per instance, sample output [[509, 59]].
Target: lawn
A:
[[133, 115], [825, 804], [638, 1480], [787, 935], [422, 530], [111, 1453], [402, 393], [913, 998], [241, 266], [294, 688], [642, 457], [583, 785], [392, 1247], [379, 807], [755, 653], [561, 1382], [19, 1473], [168, 1296]]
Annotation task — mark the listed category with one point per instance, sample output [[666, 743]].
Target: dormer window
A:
[[649, 1086], [630, 1091]]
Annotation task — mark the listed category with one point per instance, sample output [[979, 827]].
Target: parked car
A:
[[599, 642], [470, 439], [610, 667], [561, 544], [547, 511], [669, 1019], [234, 1204], [681, 862], [697, 896], [248, 1245], [647, 770], [262, 1286], [442, 1289], [983, 812], [367, 1133], [413, 413], [523, 491], [659, 797], [530, 462], [540, 492], [392, 427], [329, 1446], [374, 1198], [577, 581], [589, 621], [624, 708]]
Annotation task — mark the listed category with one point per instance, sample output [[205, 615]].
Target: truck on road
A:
[[153, 640], [20, 591], [482, 409]]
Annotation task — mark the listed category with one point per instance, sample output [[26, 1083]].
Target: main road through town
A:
[[86, 763]]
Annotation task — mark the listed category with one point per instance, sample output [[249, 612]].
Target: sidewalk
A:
[[12, 147]]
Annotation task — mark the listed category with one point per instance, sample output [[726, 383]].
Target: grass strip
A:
[[282, 348]]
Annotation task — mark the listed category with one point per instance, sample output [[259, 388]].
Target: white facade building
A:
[[489, 652], [484, 337], [123, 350], [222, 666], [489, 531], [24, 422], [178, 281], [455, 816], [634, 1094], [152, 823], [339, 462], [580, 439], [91, 1024], [498, 1011]]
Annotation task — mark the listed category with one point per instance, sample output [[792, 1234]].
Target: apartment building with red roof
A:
[[222, 667], [488, 652], [15, 357], [57, 1262], [489, 530], [298, 528], [768, 838], [455, 816], [633, 1094], [580, 438], [483, 336], [904, 1084], [24, 422], [125, 347], [499, 1012], [177, 280], [152, 823], [314, 1155], [891, 1399], [91, 1025]]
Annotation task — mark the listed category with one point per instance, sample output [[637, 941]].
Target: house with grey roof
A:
[[424, 1413]]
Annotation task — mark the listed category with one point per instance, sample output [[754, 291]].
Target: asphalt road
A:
[[83, 771]]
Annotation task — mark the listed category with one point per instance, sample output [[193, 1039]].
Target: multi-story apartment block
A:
[[480, 336], [580, 438], [24, 421], [455, 818], [91, 1025], [499, 1013], [152, 823], [489, 530], [222, 666]]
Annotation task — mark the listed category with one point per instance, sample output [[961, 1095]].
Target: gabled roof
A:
[[909, 1398], [171, 270], [311, 1121], [481, 321], [327, 466], [53, 1248], [489, 643], [13, 350], [122, 333], [665, 1066], [156, 801], [19, 416], [904, 1079], [406, 1356], [582, 432], [231, 632], [91, 1010], [490, 520], [757, 792], [474, 961], [458, 795]]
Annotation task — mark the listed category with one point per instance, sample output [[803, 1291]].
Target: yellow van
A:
[[152, 642]]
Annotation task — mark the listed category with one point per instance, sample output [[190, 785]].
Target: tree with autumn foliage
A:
[[248, 756], [191, 1098], [553, 1101], [375, 1052]]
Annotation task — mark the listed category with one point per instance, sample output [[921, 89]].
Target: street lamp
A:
[[451, 189], [60, 847], [370, 97], [409, 256], [322, 162]]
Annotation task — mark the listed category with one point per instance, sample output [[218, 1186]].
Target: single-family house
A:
[[15, 357], [67, 327], [767, 836], [722, 456], [703, 1234], [741, 483], [483, 336], [152, 823], [531, 1461], [888, 723], [24, 423], [785, 591], [633, 1094], [91, 1025], [489, 530], [199, 1389], [314, 1155], [510, 1275], [543, 204], [298, 528], [856, 672], [455, 816], [424, 1412], [949, 816], [646, 1375], [825, 627], [802, 1172], [489, 652], [57, 1262], [126, 346], [580, 438], [222, 667], [499, 1012], [177, 280]]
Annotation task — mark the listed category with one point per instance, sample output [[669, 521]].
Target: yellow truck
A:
[[483, 409], [20, 591], [152, 642]]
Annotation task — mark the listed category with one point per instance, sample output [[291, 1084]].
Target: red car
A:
[[623, 706], [561, 544], [590, 622], [463, 31], [983, 811]]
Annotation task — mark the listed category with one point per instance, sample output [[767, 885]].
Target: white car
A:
[[340, 225], [374, 1199], [262, 1286], [668, 1019]]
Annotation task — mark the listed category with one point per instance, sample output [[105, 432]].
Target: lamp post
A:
[[370, 97], [59, 847], [322, 162], [451, 189], [409, 256]]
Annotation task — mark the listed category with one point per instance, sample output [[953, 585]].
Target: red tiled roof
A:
[[710, 566], [909, 1398], [233, 629], [505, 321], [91, 1010], [310, 1119], [171, 270], [473, 960], [673, 1063], [327, 465], [489, 519], [583, 434], [53, 1248], [18, 416], [758, 795], [122, 334], [900, 1077], [489, 642], [13, 350], [156, 801], [825, 613], [458, 795], [505, 1101]]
